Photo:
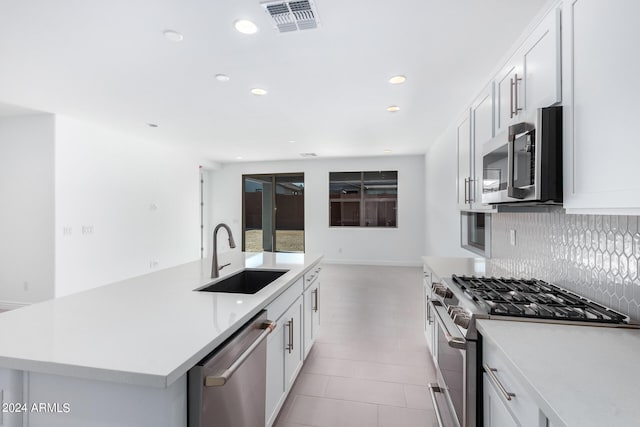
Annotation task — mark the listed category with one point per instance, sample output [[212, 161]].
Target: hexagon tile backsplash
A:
[[596, 256]]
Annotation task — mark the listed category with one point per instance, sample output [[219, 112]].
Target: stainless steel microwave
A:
[[525, 166]]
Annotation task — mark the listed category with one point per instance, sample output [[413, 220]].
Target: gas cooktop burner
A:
[[533, 298]]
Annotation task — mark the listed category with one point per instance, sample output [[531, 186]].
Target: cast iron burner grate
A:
[[534, 298]]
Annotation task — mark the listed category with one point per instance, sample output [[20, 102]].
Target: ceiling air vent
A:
[[308, 155], [292, 15]]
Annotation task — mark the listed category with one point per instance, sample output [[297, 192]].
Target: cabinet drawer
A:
[[503, 381], [284, 301], [311, 276]]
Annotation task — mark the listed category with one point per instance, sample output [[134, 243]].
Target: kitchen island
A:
[[119, 354]]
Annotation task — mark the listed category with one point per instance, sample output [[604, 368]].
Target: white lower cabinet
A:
[[505, 400], [297, 313], [284, 358], [275, 372], [496, 413], [311, 314], [426, 309], [293, 355]]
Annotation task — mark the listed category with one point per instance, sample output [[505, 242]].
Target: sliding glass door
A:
[[273, 212]]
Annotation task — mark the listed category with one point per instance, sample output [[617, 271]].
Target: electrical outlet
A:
[[512, 237], [153, 264], [67, 231], [87, 229], [25, 285]]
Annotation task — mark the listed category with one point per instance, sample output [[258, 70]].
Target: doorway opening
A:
[[273, 212]]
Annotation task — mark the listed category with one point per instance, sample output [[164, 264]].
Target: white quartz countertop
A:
[[444, 267], [580, 376], [148, 330]]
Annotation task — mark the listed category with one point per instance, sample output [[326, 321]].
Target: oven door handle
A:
[[433, 389], [455, 341]]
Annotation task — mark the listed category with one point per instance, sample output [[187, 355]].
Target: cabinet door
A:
[[315, 310], [293, 350], [496, 413], [601, 150], [311, 308], [463, 139], [428, 315], [307, 306], [541, 59], [481, 132], [508, 87], [275, 392]]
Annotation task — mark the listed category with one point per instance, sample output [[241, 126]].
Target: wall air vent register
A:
[[289, 16]]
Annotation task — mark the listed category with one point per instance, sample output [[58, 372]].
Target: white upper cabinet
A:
[[531, 78], [508, 85], [601, 87], [465, 165], [542, 64], [481, 132]]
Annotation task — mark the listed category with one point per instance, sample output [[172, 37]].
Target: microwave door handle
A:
[[512, 191]]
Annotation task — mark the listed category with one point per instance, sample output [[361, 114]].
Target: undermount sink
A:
[[244, 282]]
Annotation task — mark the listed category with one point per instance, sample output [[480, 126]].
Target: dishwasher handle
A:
[[220, 380]]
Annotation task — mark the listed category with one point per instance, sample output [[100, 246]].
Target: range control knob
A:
[[462, 319], [442, 290]]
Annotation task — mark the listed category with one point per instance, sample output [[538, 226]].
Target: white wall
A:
[[137, 201], [26, 209], [442, 218], [394, 246]]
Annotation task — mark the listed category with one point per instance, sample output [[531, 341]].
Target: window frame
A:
[[363, 199]]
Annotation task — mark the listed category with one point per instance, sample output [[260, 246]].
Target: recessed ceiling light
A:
[[396, 80], [393, 108], [245, 27], [258, 91], [152, 125], [387, 151], [238, 157], [172, 35], [222, 78], [291, 141]]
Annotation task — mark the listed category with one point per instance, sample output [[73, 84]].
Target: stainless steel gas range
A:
[[452, 307]]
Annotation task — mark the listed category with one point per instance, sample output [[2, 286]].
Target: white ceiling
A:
[[108, 62]]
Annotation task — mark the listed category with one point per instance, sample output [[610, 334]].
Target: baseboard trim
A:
[[12, 305], [379, 263]]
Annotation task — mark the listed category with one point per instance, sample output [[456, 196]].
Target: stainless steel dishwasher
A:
[[227, 388]]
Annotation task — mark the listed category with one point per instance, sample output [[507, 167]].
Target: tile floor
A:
[[370, 365]]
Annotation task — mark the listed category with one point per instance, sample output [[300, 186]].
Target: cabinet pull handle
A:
[[466, 182], [429, 320], [315, 300], [220, 380], [511, 84], [433, 389], [491, 372], [290, 345], [514, 96], [471, 198]]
